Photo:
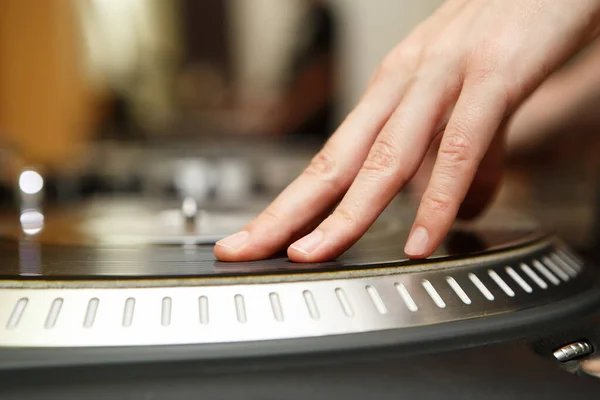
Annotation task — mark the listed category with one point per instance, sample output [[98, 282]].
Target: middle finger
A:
[[392, 161]]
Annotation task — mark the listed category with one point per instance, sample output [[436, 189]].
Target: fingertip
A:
[[306, 249], [297, 255], [224, 253], [417, 243], [249, 253], [240, 247]]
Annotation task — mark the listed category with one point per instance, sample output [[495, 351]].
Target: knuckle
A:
[[482, 75], [323, 165], [345, 215], [456, 149], [387, 68], [489, 70], [272, 215], [409, 53], [436, 53], [486, 62], [504, 89], [404, 58], [436, 201], [388, 65], [488, 53], [382, 158]]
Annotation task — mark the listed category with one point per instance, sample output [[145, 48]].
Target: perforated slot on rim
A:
[[17, 313], [344, 302], [533, 276], [501, 283], [458, 290], [406, 297], [53, 313], [481, 287], [240, 308], [575, 261], [128, 312], [517, 278], [165, 317], [556, 269], [565, 265], [311, 304], [90, 312], [435, 296], [376, 299], [203, 309], [547, 274], [276, 306]]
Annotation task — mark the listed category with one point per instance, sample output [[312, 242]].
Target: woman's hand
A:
[[458, 78]]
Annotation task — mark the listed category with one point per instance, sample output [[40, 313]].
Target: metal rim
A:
[[533, 276]]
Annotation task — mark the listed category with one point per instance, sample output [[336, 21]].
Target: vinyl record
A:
[[131, 239]]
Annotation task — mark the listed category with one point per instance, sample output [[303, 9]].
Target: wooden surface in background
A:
[[43, 101]]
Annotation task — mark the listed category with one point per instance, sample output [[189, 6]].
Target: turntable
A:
[[120, 294], [123, 290]]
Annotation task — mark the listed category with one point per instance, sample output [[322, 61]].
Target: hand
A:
[[484, 185], [459, 76]]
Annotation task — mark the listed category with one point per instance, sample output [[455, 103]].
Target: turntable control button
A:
[[573, 350]]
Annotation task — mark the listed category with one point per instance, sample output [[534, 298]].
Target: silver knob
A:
[[189, 209], [572, 351]]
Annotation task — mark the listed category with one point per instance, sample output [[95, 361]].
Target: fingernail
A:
[[308, 243], [417, 242], [235, 241]]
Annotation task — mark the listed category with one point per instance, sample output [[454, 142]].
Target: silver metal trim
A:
[[458, 290], [546, 272], [32, 317], [90, 313], [376, 299], [517, 278], [572, 351], [408, 300], [500, 282], [556, 269], [533, 276]]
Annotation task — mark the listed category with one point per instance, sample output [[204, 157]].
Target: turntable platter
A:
[[106, 277], [135, 240], [129, 223]]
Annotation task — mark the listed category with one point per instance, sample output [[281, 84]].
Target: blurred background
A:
[[218, 103]]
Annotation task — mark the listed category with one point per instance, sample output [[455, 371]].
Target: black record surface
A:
[[135, 239], [28, 258]]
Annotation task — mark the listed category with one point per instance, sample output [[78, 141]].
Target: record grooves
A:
[[29, 260]]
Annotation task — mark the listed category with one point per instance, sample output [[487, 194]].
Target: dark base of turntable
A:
[[508, 369]]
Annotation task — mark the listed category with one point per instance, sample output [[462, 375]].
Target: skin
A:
[[457, 79], [565, 106], [592, 366]]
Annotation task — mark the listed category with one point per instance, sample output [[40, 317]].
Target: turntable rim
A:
[[412, 341], [274, 311]]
